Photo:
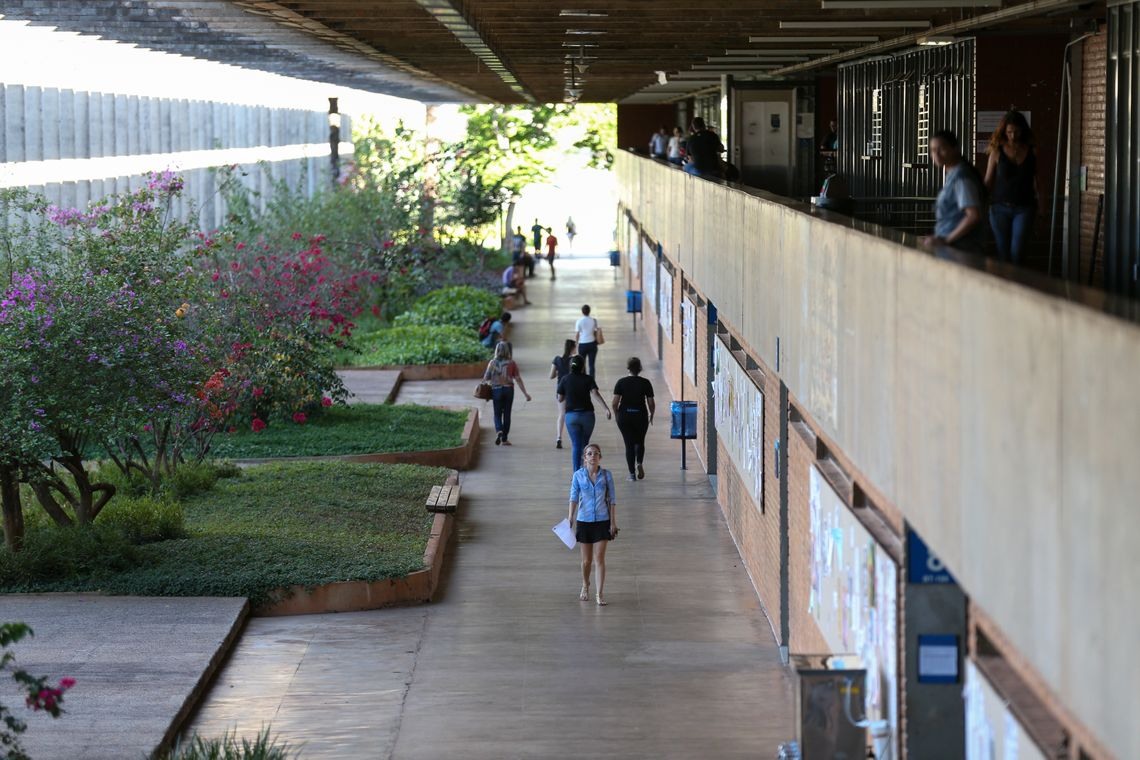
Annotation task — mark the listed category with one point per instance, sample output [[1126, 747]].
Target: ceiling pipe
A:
[[1031, 8]]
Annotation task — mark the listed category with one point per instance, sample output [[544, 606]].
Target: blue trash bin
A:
[[684, 414], [633, 302], [615, 258]]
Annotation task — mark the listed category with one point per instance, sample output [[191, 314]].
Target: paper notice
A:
[[562, 530]]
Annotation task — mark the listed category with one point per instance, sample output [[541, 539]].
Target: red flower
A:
[[66, 683], [299, 418], [326, 401], [296, 235], [375, 311], [388, 244], [257, 425], [258, 392], [240, 246]]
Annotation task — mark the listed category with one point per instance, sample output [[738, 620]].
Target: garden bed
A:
[[415, 345], [349, 430], [457, 457], [470, 370], [274, 527]]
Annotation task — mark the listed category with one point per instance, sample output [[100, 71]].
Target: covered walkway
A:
[[507, 662]]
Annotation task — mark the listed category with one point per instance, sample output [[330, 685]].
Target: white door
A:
[[766, 144]]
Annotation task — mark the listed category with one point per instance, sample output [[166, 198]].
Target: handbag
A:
[[483, 391], [599, 337]]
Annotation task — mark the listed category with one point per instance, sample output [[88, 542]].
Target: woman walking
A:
[[634, 407], [1014, 185], [560, 368], [593, 518], [502, 373], [574, 391], [586, 335]]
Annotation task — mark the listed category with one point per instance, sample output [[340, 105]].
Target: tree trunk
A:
[[510, 227], [12, 508]]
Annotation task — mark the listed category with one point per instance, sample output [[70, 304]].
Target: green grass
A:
[[417, 344], [300, 523], [356, 429]]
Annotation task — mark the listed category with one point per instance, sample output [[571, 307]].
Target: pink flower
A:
[[326, 401], [214, 277], [299, 418], [258, 392], [257, 425], [240, 246], [66, 683], [388, 244], [375, 311], [296, 235]]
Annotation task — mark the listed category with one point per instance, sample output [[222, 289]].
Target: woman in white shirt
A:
[[586, 336], [674, 150]]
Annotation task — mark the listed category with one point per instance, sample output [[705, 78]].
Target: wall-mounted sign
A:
[[937, 658], [923, 566]]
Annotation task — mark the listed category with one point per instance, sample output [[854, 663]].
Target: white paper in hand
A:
[[562, 530]]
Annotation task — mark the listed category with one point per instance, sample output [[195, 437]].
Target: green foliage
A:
[[300, 523], [57, 553], [230, 747], [145, 519], [357, 429], [417, 345], [461, 306]]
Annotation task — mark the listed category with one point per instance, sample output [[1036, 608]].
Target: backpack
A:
[[485, 327]]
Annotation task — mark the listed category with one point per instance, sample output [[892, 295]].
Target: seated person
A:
[[513, 278], [498, 330]]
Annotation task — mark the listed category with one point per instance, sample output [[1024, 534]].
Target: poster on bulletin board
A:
[[854, 595]]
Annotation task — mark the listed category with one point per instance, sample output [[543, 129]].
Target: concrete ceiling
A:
[[515, 51]]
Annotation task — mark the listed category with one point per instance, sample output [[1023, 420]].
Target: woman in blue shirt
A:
[[593, 518]]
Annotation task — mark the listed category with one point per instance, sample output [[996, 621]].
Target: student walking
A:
[[574, 391], [588, 335], [560, 368], [502, 373], [593, 518], [551, 247], [634, 408], [1014, 184]]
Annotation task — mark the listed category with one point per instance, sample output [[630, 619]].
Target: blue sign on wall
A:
[[923, 566]]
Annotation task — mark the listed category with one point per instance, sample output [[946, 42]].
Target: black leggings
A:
[[633, 427]]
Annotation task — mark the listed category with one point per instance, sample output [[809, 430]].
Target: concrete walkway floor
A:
[[507, 663]]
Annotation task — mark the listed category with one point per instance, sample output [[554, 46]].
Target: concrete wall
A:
[[996, 418], [47, 124]]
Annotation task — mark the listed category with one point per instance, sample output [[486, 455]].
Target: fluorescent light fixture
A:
[[829, 5], [886, 24], [936, 40], [584, 14], [585, 31], [777, 51], [755, 59], [813, 39]]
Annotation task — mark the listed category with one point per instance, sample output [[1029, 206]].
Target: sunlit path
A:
[[507, 662]]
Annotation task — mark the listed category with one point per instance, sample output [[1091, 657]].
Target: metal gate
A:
[[1122, 154]]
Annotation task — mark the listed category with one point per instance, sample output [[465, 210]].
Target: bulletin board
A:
[[854, 596], [649, 278], [689, 339], [738, 408], [634, 253], [992, 733], [665, 304]]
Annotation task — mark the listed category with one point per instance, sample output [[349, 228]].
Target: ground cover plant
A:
[[230, 747], [461, 306], [356, 429], [274, 526], [418, 344]]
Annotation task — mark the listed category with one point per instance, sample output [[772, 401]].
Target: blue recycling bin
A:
[[684, 414], [615, 258], [633, 302]]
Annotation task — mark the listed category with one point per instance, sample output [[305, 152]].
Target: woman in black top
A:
[[560, 368], [574, 390], [634, 406], [1015, 188]]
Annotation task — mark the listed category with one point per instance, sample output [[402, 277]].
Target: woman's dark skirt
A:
[[592, 532]]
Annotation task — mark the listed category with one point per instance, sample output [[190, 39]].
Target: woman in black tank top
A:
[[1014, 186]]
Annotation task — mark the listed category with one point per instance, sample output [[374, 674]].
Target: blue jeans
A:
[[502, 399], [1011, 225], [589, 354], [580, 426]]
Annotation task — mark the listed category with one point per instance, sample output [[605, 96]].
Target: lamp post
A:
[[334, 140]]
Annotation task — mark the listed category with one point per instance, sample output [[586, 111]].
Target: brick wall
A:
[[1092, 138]]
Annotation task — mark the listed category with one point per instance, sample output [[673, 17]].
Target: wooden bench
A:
[[443, 499]]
